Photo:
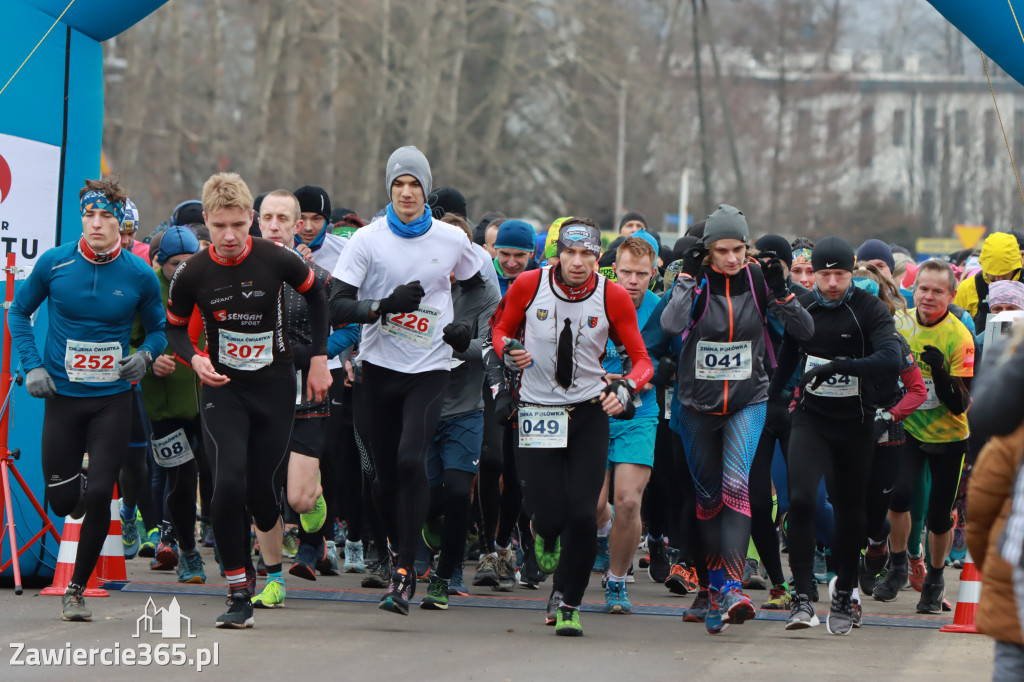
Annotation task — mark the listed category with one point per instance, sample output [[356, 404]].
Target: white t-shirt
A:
[[487, 270], [376, 261], [327, 257]]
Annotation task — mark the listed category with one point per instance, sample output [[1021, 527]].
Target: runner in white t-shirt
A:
[[394, 278]]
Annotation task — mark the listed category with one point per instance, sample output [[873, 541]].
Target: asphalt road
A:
[[488, 636]]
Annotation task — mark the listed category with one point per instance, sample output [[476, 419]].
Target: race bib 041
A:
[[543, 427], [92, 362], [719, 361], [173, 449], [416, 328], [246, 352]]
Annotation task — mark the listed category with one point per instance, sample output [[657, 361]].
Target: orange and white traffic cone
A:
[[967, 600], [110, 565], [66, 563]]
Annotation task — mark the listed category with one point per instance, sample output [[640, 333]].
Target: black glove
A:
[[883, 420], [693, 259], [935, 360], [301, 355], [457, 335], [666, 371], [404, 299], [813, 378], [775, 278], [504, 408], [621, 389]]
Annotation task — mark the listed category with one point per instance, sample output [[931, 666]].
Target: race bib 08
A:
[[719, 361], [543, 427], [416, 328], [90, 362], [173, 449], [836, 386], [246, 352]]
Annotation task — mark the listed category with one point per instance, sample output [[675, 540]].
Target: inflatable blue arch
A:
[[990, 25], [55, 99]]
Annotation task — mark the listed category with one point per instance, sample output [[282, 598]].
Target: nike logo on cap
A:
[[829, 265]]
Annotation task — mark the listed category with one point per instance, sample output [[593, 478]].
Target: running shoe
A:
[[239, 613], [858, 614], [801, 613], [547, 560], [304, 565], [424, 563], [779, 599], [354, 562], [554, 601], [713, 619], [603, 558], [958, 552], [400, 591], [261, 567], [567, 622], [918, 571], [166, 558], [698, 610], [840, 616], [290, 543], [129, 534], [272, 596], [736, 606], [889, 583], [630, 574], [73, 606], [505, 567], [436, 598], [821, 563], [876, 557], [752, 579], [431, 533], [191, 569], [206, 537], [682, 580], [616, 598], [531, 576], [340, 533], [313, 520], [377, 574], [328, 563], [658, 569], [931, 597], [456, 584], [487, 571], [148, 547]]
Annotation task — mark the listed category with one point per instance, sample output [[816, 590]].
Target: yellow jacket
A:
[[999, 256]]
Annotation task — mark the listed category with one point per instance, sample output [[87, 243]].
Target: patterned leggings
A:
[[719, 450]]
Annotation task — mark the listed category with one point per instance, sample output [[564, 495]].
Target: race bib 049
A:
[[718, 361], [416, 328], [543, 427], [246, 352], [173, 449], [92, 362], [836, 386]]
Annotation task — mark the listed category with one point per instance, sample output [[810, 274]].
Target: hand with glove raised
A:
[[617, 398], [133, 367], [693, 259], [775, 278], [404, 299], [40, 384], [457, 335], [935, 360], [813, 378]]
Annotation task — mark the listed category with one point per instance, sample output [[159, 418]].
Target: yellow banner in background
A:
[[938, 245]]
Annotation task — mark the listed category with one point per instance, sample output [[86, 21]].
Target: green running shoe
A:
[[290, 543], [547, 559], [73, 606], [272, 596], [567, 622], [437, 595], [129, 534], [312, 521], [148, 547]]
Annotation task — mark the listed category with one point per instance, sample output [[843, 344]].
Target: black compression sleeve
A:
[[345, 308], [788, 356], [952, 391], [316, 297], [180, 343]]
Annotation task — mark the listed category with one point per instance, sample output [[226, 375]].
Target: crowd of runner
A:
[[411, 396]]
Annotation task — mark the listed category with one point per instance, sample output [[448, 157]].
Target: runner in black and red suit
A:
[[561, 318], [248, 394]]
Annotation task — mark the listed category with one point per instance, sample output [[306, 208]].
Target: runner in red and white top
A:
[[554, 324]]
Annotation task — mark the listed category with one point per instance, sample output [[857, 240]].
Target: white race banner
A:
[[29, 186]]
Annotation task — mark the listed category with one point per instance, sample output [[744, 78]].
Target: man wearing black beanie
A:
[[853, 349], [631, 222]]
